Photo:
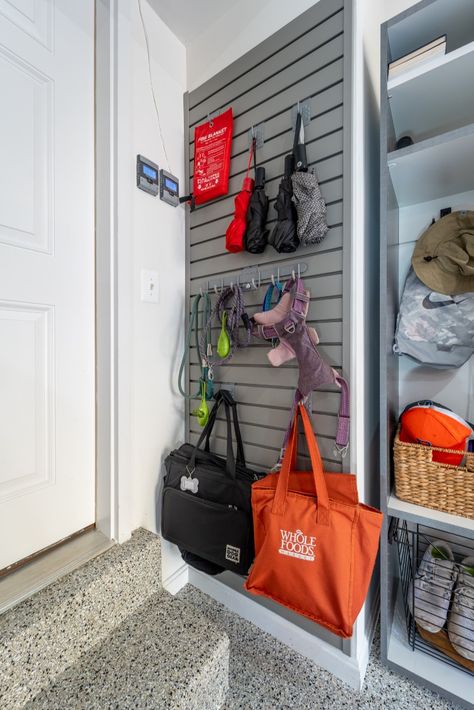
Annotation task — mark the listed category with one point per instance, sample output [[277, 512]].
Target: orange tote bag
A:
[[315, 543]]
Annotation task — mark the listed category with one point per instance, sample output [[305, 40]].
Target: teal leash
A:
[[206, 378]]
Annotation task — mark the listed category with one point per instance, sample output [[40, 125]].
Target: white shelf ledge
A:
[[422, 99], [427, 516], [433, 168]]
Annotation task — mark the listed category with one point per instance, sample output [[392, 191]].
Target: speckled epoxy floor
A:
[[267, 675]]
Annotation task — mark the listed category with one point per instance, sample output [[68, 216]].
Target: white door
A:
[[47, 386]]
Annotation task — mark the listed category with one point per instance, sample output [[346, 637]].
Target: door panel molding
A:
[[27, 177], [35, 20], [27, 403]]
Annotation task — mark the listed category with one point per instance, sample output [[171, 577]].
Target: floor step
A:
[[46, 634], [165, 656]]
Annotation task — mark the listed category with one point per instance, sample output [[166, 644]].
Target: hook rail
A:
[[255, 276]]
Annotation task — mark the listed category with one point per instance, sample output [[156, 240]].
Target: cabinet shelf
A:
[[433, 168], [422, 99], [427, 516]]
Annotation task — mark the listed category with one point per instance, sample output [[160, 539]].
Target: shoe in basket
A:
[[432, 588], [461, 616]]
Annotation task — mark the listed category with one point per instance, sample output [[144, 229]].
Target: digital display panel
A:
[[171, 185], [150, 172]]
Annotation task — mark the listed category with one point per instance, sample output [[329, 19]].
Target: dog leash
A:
[[231, 302], [206, 385]]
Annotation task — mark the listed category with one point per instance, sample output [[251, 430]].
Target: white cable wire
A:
[[145, 34]]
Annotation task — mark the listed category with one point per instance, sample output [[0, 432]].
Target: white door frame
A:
[[113, 268]]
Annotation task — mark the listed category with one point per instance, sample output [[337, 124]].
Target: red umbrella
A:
[[234, 236]]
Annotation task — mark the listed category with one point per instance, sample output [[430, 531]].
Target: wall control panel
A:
[[147, 175], [169, 188]]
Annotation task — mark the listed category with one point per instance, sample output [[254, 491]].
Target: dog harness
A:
[[287, 322]]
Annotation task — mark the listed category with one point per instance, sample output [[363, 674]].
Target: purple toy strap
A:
[[343, 422]]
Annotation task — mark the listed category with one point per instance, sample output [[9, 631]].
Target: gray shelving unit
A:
[[434, 103]]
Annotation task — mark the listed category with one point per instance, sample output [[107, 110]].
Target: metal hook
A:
[[259, 278], [293, 275], [299, 271], [222, 285], [278, 274], [232, 286], [273, 279], [215, 290], [201, 291], [254, 284]]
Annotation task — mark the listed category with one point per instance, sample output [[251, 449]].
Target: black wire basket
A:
[[438, 592]]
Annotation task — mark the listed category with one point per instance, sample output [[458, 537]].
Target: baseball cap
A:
[[432, 424]]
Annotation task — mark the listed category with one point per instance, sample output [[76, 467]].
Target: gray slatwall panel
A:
[[328, 114], [278, 145], [261, 457], [264, 435], [215, 246], [256, 356], [324, 155], [310, 87], [272, 400], [249, 414], [328, 262], [302, 62], [328, 331]]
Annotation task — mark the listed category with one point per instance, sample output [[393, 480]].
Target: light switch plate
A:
[[149, 286]]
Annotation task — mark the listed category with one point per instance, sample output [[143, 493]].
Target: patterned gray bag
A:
[[310, 208], [432, 328]]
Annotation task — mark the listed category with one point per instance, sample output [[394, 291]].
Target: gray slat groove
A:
[[330, 51], [335, 109]]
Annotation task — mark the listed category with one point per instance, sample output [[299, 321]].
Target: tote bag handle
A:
[[281, 492], [223, 398]]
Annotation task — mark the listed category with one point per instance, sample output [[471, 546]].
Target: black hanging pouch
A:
[[206, 507]]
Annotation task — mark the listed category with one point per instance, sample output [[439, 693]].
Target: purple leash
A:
[[235, 314]]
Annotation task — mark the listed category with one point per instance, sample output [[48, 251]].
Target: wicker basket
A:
[[420, 480]]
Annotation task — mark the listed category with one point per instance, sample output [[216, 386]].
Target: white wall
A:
[[157, 242], [236, 32]]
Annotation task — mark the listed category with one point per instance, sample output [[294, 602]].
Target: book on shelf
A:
[[434, 48]]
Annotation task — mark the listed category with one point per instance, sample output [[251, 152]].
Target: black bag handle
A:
[[230, 402], [206, 432], [222, 397]]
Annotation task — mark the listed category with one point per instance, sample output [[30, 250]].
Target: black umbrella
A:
[[284, 237], [256, 236], [310, 205]]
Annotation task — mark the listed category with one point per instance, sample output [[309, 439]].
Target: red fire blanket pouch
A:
[[212, 146]]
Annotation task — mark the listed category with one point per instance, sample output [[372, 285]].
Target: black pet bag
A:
[[206, 508]]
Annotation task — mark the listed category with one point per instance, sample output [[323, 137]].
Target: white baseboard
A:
[[177, 580], [372, 625], [319, 651]]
